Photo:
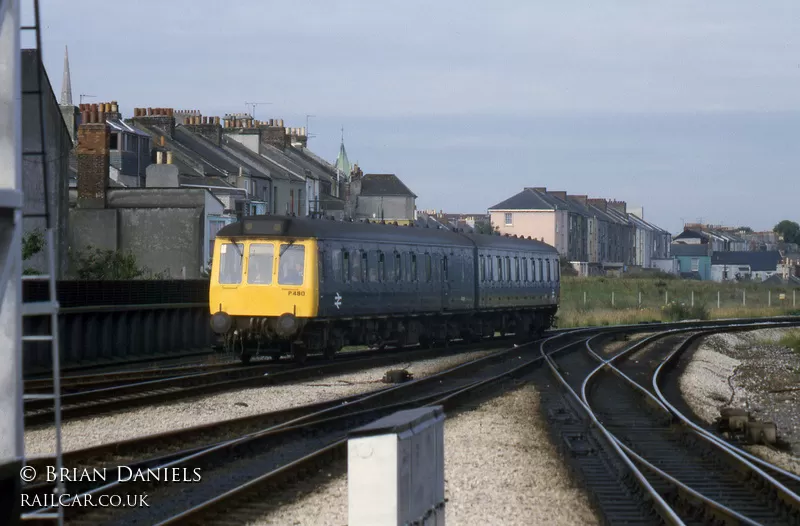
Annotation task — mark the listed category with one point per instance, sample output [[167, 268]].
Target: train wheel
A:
[[246, 355], [425, 342]]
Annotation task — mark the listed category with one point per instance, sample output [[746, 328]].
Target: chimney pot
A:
[[162, 140], [169, 157], [216, 121], [149, 111], [159, 157], [101, 117]]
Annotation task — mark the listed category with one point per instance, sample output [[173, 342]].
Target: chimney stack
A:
[[163, 119], [93, 158]]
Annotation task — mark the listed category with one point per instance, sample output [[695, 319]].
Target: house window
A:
[[695, 264], [113, 141], [509, 218], [214, 226]]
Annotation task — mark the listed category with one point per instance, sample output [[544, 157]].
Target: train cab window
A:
[[230, 263], [291, 265], [427, 267], [413, 267], [381, 267], [499, 265], [483, 268], [398, 266], [260, 261], [444, 269]]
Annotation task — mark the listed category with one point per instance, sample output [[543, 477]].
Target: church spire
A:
[[343, 167], [66, 85]]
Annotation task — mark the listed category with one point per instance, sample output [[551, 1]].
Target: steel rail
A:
[[666, 512]]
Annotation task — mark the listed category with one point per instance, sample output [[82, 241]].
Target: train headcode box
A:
[[395, 470]]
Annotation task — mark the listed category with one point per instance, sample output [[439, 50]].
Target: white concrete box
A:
[[395, 470]]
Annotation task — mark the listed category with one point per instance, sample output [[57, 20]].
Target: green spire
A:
[[343, 166]]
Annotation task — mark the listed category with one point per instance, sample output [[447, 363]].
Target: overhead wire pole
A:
[[253, 105], [84, 95]]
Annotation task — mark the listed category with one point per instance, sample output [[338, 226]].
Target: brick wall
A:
[[93, 163]]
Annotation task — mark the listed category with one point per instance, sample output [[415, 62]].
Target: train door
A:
[[445, 277]]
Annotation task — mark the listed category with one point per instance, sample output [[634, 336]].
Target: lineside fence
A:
[[114, 320], [727, 299]]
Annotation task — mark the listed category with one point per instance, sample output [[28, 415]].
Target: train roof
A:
[[301, 227]]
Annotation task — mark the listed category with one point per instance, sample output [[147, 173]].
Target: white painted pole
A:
[[666, 297], [692, 298], [769, 298], [718, 302], [640, 299], [612, 298], [584, 298], [793, 297], [744, 297]]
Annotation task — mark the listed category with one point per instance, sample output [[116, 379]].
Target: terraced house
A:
[[596, 235]]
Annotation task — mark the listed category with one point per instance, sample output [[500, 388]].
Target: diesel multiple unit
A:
[[296, 285]]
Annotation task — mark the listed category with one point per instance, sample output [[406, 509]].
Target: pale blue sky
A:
[[689, 109]]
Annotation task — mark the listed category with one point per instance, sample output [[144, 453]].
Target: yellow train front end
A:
[[263, 292]]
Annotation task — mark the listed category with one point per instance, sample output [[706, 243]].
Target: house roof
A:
[[775, 279], [297, 155], [758, 261], [254, 160], [690, 234], [384, 185], [527, 199], [276, 158], [207, 151], [683, 250]]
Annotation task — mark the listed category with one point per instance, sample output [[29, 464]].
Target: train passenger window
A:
[[516, 269], [345, 266], [548, 269], [444, 269], [427, 267], [483, 268], [230, 263], [260, 261], [398, 266], [364, 266], [525, 269], [509, 277], [499, 266], [413, 267], [541, 270], [533, 270], [355, 273], [291, 265], [557, 271], [381, 267]]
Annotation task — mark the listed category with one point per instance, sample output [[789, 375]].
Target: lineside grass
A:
[[589, 301]]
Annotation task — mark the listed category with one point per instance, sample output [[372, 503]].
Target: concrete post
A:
[[793, 298], [769, 298], [395, 470], [718, 300], [666, 297], [584, 298], [744, 297], [612, 298], [640, 299], [692, 298]]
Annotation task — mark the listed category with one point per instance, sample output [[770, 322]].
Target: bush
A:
[[32, 244], [680, 311], [104, 264]]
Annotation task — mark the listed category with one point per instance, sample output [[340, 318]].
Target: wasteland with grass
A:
[[612, 301]]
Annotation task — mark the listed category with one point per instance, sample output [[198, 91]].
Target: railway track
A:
[[251, 465], [149, 392], [667, 468]]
